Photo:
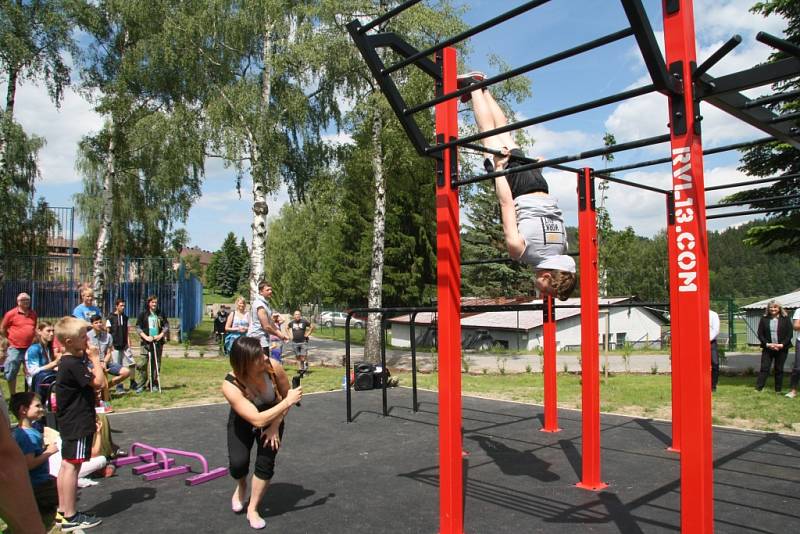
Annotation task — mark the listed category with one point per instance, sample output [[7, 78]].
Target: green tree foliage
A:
[[780, 233], [229, 267]]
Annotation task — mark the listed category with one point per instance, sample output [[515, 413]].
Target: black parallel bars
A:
[[752, 201], [464, 35], [564, 159], [591, 45], [601, 175], [708, 152], [781, 44], [592, 104], [786, 117], [389, 14], [754, 182], [772, 98], [776, 209]]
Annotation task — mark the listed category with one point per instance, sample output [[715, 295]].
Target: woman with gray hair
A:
[[775, 335]]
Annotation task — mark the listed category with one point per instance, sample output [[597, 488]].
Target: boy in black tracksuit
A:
[[80, 374]]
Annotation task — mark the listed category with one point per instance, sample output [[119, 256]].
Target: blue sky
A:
[[557, 25]]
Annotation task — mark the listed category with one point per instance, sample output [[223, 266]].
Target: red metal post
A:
[[550, 382], [675, 356], [590, 317], [448, 255], [688, 258]]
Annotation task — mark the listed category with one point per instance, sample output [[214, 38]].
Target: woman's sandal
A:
[[258, 524]]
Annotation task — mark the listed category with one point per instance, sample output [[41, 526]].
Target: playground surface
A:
[[380, 474]]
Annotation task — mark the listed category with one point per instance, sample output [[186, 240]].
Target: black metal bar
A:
[[383, 366], [786, 117], [563, 159], [603, 176], [464, 35], [413, 332], [388, 15], [591, 45], [546, 117], [714, 58], [348, 393], [772, 98], [651, 54], [764, 74], [487, 261], [481, 148], [708, 152], [754, 212], [781, 44], [754, 182], [751, 201]]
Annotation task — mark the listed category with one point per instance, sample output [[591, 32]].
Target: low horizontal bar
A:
[[714, 58], [754, 212], [545, 118], [603, 176], [781, 44], [708, 152], [591, 45], [772, 98], [754, 182], [487, 261], [465, 35], [751, 201], [786, 117], [388, 15], [564, 159]]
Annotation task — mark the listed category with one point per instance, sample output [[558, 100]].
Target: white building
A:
[[522, 330]]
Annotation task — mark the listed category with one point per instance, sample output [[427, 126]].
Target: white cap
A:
[[558, 263]]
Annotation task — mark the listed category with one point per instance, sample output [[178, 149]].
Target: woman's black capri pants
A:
[[241, 436]]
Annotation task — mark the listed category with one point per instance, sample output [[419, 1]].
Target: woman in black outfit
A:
[[775, 335], [259, 394]]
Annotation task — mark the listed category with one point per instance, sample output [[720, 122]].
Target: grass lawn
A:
[[337, 334], [736, 403]]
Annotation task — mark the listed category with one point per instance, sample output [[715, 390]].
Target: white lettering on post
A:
[[683, 191]]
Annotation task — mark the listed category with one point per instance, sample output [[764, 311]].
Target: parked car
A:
[[330, 319]]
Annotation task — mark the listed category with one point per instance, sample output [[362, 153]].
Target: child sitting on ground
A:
[[532, 223], [28, 408], [75, 387]]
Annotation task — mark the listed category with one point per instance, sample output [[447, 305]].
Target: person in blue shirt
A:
[[40, 360], [86, 309], [27, 407]]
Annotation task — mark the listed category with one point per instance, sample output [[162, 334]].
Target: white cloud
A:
[[62, 129], [552, 143]]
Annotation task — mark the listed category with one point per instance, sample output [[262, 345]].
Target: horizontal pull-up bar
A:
[[754, 182], [601, 175], [781, 44], [544, 118], [751, 201], [786, 117], [708, 152], [776, 209], [512, 157], [490, 261], [464, 35], [389, 14], [591, 45], [564, 159], [772, 98]]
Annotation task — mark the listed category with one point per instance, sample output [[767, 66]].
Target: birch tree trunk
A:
[[259, 175], [103, 236], [8, 116], [375, 296]]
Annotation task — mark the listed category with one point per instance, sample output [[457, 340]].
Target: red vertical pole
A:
[[675, 356], [550, 382], [688, 258], [448, 256], [590, 317]]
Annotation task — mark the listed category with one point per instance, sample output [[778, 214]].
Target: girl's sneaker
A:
[[467, 79], [79, 521], [792, 394]]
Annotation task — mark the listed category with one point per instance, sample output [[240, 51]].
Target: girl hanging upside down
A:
[[532, 222]]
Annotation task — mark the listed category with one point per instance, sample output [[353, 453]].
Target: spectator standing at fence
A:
[[261, 323], [117, 326], [713, 325], [775, 335], [152, 327], [795, 378], [301, 330], [40, 359], [19, 326], [86, 309], [237, 323]]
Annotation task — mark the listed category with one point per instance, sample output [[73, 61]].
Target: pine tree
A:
[[229, 266]]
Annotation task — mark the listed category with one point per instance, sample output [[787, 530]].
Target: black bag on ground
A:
[[379, 377], [365, 376]]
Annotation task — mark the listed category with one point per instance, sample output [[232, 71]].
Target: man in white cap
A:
[[532, 223], [19, 326]]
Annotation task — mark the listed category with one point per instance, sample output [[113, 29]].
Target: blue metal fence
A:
[[51, 282]]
